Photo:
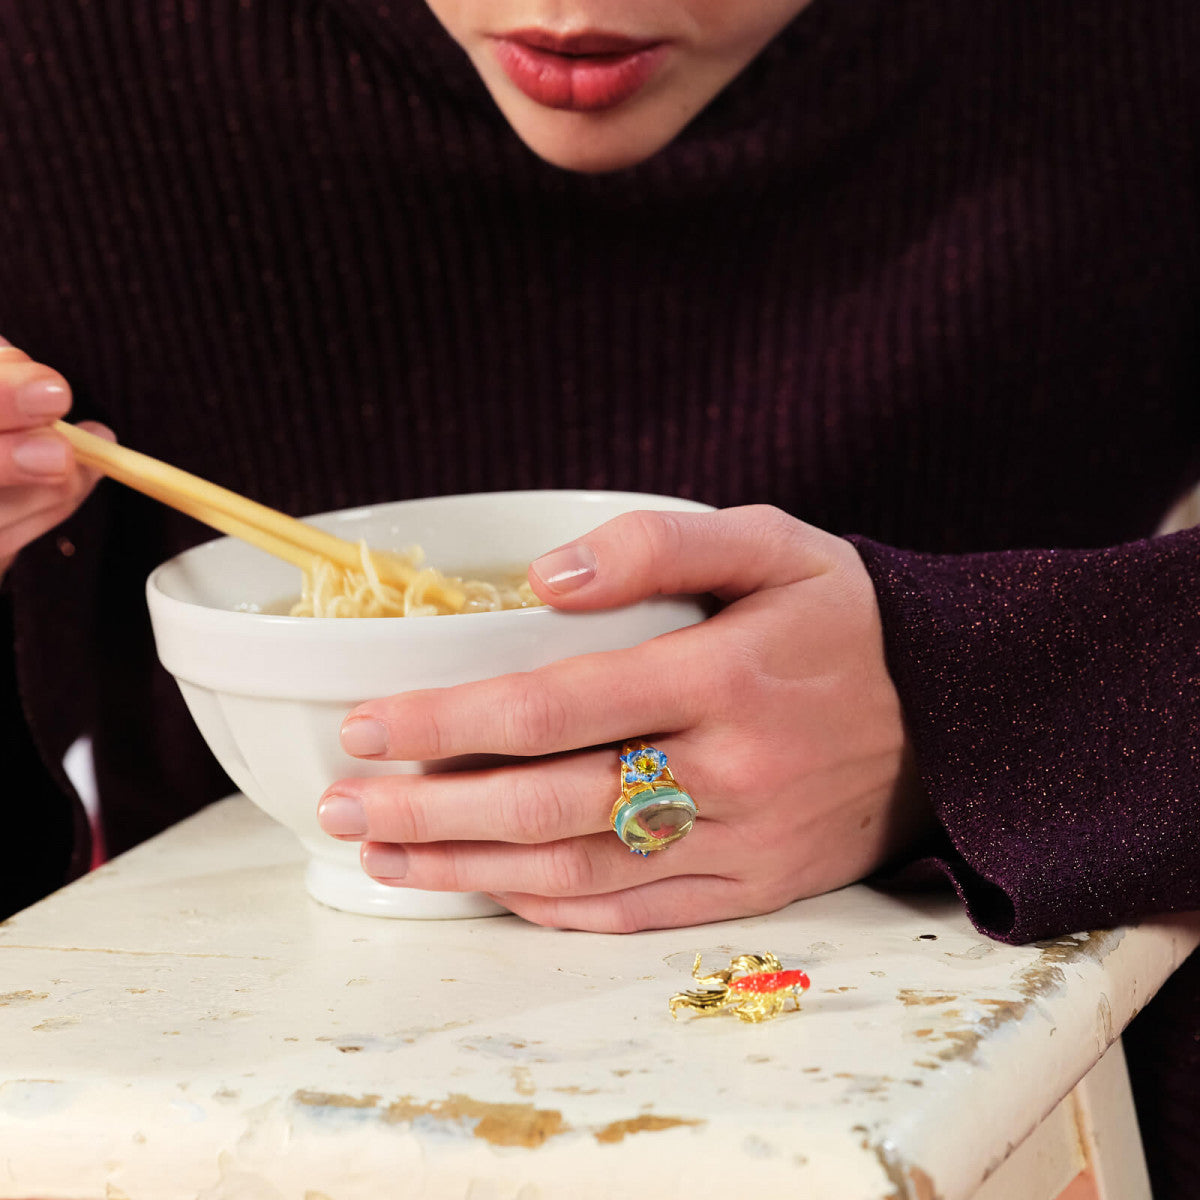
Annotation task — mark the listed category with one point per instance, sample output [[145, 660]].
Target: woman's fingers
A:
[[31, 393], [582, 866], [34, 456], [37, 469], [543, 800], [669, 903], [30, 509], [728, 553], [663, 685], [40, 482], [584, 701], [540, 801]]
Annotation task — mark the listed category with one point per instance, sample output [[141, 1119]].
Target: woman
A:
[[918, 274]]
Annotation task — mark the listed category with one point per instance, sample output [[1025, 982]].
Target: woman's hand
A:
[[777, 715], [40, 482]]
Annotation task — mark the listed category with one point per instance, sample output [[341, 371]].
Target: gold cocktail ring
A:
[[652, 810]]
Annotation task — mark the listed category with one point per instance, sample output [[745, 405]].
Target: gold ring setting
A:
[[652, 810]]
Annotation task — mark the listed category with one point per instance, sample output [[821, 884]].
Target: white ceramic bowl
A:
[[269, 692]]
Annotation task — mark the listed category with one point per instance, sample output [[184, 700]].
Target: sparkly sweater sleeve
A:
[[1053, 701]]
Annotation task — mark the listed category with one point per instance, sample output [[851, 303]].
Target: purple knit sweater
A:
[[926, 274]]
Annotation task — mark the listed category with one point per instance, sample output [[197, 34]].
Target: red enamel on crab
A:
[[770, 981], [754, 986]]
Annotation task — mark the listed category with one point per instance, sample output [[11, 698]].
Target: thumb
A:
[[729, 553]]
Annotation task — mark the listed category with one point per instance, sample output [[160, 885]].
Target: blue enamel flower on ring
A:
[[644, 765]]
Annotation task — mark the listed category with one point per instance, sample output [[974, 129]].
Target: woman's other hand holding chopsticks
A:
[[41, 484]]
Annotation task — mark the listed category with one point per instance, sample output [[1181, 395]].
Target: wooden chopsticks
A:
[[270, 530]]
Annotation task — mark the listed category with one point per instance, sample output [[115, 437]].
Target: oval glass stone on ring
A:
[[654, 816]]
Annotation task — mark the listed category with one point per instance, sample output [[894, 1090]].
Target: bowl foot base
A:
[[349, 889]]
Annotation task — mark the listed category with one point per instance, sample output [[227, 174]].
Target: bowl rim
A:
[[200, 616]]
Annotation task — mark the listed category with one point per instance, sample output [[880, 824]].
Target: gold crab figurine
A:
[[754, 986]]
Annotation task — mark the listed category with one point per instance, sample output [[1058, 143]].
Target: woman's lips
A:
[[581, 72]]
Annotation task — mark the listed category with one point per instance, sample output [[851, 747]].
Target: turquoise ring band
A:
[[652, 811]]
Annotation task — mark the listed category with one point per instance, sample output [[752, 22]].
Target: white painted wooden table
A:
[[185, 1022]]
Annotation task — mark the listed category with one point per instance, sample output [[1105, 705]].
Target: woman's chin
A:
[[587, 157], [590, 142]]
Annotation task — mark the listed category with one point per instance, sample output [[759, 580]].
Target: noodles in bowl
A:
[[334, 591]]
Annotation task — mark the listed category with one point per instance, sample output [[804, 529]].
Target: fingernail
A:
[[343, 816], [42, 456], [566, 569], [43, 398], [383, 860], [364, 737]]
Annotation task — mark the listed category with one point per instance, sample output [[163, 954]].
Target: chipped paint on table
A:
[[185, 1022]]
